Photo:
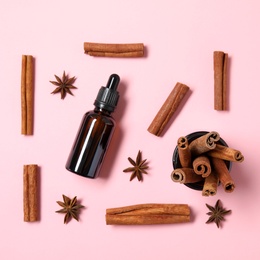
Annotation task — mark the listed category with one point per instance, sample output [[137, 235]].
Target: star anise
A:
[[139, 167], [64, 85], [70, 208], [217, 213]]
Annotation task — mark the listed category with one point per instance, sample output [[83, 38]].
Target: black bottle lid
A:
[[108, 96]]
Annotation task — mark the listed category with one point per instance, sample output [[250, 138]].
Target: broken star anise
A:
[[63, 85], [139, 167], [70, 208], [217, 213]]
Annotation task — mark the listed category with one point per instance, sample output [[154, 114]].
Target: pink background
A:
[[180, 37]]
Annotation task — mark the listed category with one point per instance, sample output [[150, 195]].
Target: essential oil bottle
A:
[[95, 132]]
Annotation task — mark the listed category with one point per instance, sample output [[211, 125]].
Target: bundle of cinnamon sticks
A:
[[205, 160], [148, 214]]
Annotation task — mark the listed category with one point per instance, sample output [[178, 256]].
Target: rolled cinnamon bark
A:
[[131, 54], [148, 214], [168, 108], [184, 152], [30, 192], [151, 208], [204, 143], [114, 49], [210, 185], [185, 175], [226, 153], [220, 167], [23, 96], [145, 220], [220, 80], [27, 94], [201, 166]]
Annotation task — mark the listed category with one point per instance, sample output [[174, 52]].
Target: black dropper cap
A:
[[108, 96]]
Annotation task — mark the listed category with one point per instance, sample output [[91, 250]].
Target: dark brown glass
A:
[[91, 143]]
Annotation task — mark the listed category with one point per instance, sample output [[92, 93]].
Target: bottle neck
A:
[[102, 111]]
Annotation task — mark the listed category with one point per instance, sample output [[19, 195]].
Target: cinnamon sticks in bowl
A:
[[148, 214], [209, 162]]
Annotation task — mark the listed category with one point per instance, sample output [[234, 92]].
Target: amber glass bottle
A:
[[95, 132]]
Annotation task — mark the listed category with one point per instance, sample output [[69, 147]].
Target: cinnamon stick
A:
[[204, 143], [151, 208], [201, 166], [148, 214], [185, 175], [30, 192], [226, 153], [145, 220], [220, 80], [210, 185], [184, 152], [27, 94], [222, 172], [168, 108], [114, 49], [23, 95]]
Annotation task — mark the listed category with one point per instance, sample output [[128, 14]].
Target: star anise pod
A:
[[63, 85], [70, 208], [139, 167], [217, 213]]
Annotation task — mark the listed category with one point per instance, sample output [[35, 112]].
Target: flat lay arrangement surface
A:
[[129, 129]]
